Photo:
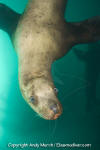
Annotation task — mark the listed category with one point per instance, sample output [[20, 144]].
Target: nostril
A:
[[54, 108]]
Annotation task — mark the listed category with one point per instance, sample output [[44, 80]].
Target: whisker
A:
[[54, 129], [69, 75], [76, 90], [51, 134], [36, 116], [49, 125]]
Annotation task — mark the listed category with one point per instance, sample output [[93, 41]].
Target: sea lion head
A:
[[41, 95]]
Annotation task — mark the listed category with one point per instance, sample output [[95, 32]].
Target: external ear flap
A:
[[86, 31], [8, 19]]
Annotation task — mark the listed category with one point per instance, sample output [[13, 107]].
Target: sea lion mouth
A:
[[51, 116], [52, 113]]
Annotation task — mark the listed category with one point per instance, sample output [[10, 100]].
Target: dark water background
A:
[[77, 76]]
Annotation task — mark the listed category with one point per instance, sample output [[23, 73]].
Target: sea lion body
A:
[[39, 39]]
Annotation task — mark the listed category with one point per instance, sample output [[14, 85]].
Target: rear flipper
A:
[[86, 31], [8, 19]]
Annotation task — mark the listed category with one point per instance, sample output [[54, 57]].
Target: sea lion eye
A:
[[56, 90], [32, 99]]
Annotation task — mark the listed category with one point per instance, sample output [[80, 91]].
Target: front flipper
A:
[[8, 19], [86, 31]]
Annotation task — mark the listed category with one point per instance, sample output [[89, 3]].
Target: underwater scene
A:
[[77, 78]]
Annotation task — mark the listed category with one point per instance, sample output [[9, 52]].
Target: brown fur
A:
[[41, 37]]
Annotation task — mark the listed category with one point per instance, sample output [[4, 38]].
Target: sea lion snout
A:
[[51, 112], [48, 103], [42, 97], [49, 109]]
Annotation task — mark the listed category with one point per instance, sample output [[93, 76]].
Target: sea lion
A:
[[40, 37]]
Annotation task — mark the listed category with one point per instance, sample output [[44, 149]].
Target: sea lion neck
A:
[[45, 8], [44, 3]]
